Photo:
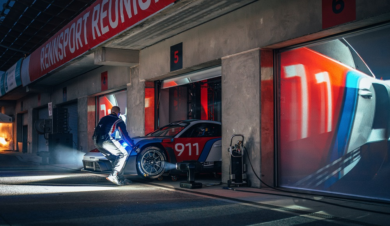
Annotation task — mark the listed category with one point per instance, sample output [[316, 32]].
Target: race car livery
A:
[[186, 140]]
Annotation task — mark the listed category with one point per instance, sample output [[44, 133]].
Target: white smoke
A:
[[66, 155]]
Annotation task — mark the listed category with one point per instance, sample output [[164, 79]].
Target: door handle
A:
[[365, 93]]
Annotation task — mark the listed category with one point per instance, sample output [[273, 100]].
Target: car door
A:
[[197, 142]]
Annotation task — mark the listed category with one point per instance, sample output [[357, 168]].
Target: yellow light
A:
[[3, 141]]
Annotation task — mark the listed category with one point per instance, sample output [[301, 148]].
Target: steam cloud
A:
[[67, 155]]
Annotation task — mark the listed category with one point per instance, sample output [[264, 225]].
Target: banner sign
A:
[[12, 77], [2, 90], [100, 22]]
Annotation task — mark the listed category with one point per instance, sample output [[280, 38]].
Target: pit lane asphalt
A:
[[48, 195]]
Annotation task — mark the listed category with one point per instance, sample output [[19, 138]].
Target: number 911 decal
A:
[[180, 148]]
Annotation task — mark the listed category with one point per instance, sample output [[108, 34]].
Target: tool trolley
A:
[[237, 168]]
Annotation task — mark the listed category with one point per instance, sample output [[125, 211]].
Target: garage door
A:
[[73, 122]]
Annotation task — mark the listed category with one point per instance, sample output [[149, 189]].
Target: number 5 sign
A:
[[177, 57], [335, 12]]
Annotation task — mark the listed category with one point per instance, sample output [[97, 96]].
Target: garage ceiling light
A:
[[192, 77]]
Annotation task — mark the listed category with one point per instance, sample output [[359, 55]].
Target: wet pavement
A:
[[33, 194]]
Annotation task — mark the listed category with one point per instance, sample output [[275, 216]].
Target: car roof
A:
[[204, 121], [184, 121], [194, 121]]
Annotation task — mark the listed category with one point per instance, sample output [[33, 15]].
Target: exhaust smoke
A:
[[66, 155], [169, 166]]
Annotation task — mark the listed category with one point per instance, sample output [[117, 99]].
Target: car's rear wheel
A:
[[151, 162]]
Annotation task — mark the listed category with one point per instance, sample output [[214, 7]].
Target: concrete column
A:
[[241, 108], [82, 110], [34, 133], [135, 104], [91, 122], [30, 129], [267, 117]]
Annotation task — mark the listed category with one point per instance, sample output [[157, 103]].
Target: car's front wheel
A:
[[151, 162]]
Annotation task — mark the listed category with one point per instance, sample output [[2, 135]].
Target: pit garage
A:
[[189, 111], [195, 95], [94, 160], [182, 123]]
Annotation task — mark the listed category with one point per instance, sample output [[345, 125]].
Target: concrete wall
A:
[[241, 108], [260, 24], [7, 108], [82, 108], [90, 83], [136, 104]]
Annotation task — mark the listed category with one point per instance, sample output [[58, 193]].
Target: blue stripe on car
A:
[[207, 149], [340, 144], [142, 143]]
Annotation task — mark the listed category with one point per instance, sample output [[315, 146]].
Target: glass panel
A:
[[203, 130], [335, 116], [168, 131]]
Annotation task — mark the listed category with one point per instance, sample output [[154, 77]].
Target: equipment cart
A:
[[237, 168]]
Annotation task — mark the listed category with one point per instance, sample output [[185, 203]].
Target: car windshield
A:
[[170, 130]]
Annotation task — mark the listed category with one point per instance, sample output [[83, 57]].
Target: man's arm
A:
[[124, 134]]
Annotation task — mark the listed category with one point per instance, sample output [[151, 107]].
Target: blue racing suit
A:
[[105, 142]]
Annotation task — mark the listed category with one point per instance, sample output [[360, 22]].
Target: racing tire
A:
[[151, 162]]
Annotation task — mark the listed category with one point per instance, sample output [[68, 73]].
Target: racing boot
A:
[[113, 177]]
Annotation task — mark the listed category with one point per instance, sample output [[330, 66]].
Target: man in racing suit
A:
[[104, 139]]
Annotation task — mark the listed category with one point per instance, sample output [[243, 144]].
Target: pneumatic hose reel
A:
[[237, 168]]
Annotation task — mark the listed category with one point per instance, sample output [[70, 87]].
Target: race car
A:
[[159, 151]]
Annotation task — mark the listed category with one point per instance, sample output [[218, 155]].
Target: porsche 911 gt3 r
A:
[[180, 141]]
